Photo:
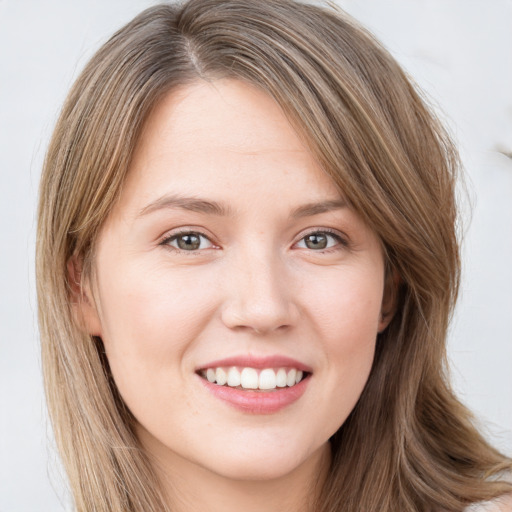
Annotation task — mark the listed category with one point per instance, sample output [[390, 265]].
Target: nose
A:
[[259, 296]]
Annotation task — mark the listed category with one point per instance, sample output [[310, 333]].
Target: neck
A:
[[192, 488]]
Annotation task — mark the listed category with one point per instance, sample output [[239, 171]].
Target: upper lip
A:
[[274, 361]]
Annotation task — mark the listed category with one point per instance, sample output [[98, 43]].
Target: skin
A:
[[254, 287]]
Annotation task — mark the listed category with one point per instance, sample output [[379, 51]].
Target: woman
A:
[[247, 262]]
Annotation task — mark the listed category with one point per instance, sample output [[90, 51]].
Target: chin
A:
[[262, 463], [258, 470]]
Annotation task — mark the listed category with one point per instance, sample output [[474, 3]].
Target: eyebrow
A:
[[195, 204], [308, 210]]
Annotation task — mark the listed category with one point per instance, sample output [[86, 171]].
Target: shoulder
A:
[[501, 504]]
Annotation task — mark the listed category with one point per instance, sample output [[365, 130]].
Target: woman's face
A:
[[231, 255]]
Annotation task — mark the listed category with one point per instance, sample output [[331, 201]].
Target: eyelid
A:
[[185, 230], [342, 239], [164, 240]]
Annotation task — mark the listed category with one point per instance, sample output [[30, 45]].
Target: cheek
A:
[[346, 317], [346, 306], [150, 318]]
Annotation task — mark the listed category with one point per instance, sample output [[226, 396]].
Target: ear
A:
[[82, 301], [389, 298]]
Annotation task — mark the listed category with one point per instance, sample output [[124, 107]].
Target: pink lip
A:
[[253, 401], [258, 363], [257, 402]]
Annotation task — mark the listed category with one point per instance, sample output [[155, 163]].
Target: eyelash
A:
[[166, 241], [341, 242]]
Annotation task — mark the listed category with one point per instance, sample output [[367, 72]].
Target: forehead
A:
[[226, 114], [222, 137]]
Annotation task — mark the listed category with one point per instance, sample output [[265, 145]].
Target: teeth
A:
[[290, 379], [267, 379], [220, 376], [281, 378], [249, 378], [234, 378]]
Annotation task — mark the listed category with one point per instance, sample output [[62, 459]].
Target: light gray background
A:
[[459, 51]]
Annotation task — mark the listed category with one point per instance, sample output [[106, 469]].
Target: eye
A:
[[188, 241], [320, 240]]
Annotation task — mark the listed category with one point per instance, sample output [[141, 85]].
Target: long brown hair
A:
[[408, 444]]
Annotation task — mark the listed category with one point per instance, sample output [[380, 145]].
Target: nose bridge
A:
[[258, 294]]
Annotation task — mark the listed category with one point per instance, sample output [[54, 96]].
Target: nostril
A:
[[260, 318]]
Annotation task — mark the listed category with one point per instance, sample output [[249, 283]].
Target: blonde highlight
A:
[[409, 444]]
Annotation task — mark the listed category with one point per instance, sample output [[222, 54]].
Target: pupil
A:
[[316, 241], [189, 242]]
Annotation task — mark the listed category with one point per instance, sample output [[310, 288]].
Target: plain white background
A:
[[458, 51]]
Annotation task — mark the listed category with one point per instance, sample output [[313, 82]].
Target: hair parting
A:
[[409, 444]]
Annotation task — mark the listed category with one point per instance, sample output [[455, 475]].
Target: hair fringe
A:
[[409, 444]]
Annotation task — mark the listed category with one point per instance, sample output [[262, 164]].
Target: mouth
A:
[[255, 379], [256, 385]]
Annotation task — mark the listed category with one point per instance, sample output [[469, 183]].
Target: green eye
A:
[[189, 241], [316, 241], [319, 240]]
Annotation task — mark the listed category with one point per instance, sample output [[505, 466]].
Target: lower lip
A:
[[258, 402]]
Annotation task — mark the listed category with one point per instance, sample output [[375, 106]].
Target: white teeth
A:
[[221, 377], [290, 379], [267, 379], [249, 378], [281, 378], [234, 378]]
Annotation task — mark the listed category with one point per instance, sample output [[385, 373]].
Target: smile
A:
[[256, 385], [265, 379]]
